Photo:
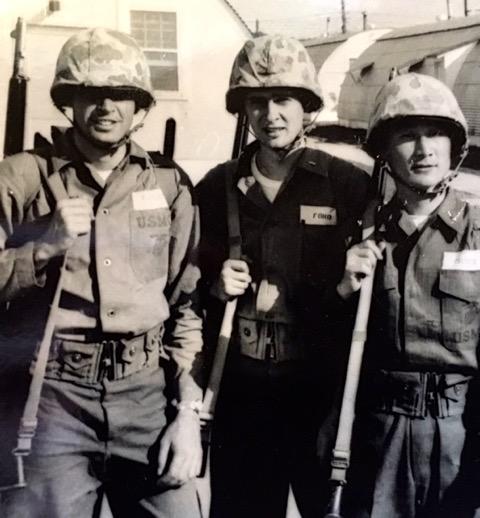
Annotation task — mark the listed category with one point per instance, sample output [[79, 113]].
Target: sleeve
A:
[[213, 252], [183, 329], [17, 268]]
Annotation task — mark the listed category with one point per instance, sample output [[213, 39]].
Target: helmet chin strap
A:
[[111, 147], [297, 142], [435, 190]]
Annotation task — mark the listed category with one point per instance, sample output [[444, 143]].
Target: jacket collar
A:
[[447, 218]]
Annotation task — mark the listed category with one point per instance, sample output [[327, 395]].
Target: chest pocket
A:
[[149, 243], [460, 308]]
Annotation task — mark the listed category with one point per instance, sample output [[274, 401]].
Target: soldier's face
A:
[[102, 116], [276, 118], [419, 154]]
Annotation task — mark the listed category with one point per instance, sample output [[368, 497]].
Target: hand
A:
[[72, 217], [234, 279], [361, 261], [180, 455]]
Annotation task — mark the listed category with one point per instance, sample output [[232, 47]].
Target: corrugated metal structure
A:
[[443, 50], [332, 58], [467, 90], [320, 48]]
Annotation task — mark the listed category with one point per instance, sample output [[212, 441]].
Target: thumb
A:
[[163, 455]]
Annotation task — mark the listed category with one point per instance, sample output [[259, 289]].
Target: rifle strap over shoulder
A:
[[233, 216]]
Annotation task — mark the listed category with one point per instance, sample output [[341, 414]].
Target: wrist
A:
[[42, 253], [217, 292], [191, 408]]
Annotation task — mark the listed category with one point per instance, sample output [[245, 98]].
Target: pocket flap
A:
[[464, 285]]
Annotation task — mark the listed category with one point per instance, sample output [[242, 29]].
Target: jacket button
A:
[[105, 211], [247, 331], [132, 350], [76, 357], [107, 262], [111, 313]]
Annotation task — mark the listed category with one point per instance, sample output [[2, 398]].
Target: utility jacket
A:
[[135, 269], [295, 246], [425, 313]]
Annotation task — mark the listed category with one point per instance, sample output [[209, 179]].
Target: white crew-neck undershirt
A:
[[269, 187]]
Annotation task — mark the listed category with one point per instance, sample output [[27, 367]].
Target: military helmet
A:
[[102, 58], [416, 96], [273, 62]]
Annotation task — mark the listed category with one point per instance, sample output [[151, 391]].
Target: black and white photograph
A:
[[240, 259]]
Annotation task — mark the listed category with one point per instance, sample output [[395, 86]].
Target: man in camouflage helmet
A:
[[296, 207], [422, 350], [118, 415]]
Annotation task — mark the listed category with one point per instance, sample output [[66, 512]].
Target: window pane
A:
[[164, 78], [158, 30]]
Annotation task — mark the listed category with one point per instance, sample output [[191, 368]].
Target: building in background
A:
[[190, 47], [332, 57], [447, 50]]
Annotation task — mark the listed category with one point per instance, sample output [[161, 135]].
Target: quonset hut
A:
[[448, 50]]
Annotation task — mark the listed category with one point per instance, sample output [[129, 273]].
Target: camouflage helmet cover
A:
[[419, 96], [273, 62], [102, 58]]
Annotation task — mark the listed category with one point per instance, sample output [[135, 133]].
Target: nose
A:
[[423, 146], [271, 110], [105, 103]]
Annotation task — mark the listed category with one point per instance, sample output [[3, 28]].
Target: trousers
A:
[[264, 440], [100, 440]]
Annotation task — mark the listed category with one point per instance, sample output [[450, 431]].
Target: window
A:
[[156, 33]]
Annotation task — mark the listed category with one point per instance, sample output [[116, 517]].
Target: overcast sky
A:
[[308, 18]]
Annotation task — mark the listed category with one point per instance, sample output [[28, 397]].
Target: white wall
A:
[[209, 36]]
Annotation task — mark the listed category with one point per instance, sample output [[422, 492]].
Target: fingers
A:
[[235, 277], [75, 215], [361, 261]]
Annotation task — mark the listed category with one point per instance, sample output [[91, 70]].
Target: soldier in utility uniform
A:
[[422, 348], [118, 413], [296, 209]]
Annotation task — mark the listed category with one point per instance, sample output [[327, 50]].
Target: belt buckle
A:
[[432, 395], [108, 360]]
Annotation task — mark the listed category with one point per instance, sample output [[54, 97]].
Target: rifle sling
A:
[[28, 422]]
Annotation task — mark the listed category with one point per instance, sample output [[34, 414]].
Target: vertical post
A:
[[364, 20], [327, 31], [17, 95], [465, 7], [449, 14], [257, 27], [344, 17]]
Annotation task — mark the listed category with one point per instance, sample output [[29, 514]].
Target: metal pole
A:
[[449, 15], [344, 18], [465, 7], [364, 20], [327, 32]]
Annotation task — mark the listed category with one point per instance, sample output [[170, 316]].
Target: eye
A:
[[281, 99], [435, 132], [406, 135], [255, 102]]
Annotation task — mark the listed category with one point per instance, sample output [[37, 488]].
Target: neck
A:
[[99, 158], [418, 204], [275, 164]]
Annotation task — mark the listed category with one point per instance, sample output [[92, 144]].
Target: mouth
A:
[[420, 167], [103, 124], [273, 131]]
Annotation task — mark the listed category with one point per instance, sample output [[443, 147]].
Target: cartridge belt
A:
[[418, 394], [111, 357]]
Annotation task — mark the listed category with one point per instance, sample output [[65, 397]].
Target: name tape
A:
[[466, 260], [149, 200], [312, 215]]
